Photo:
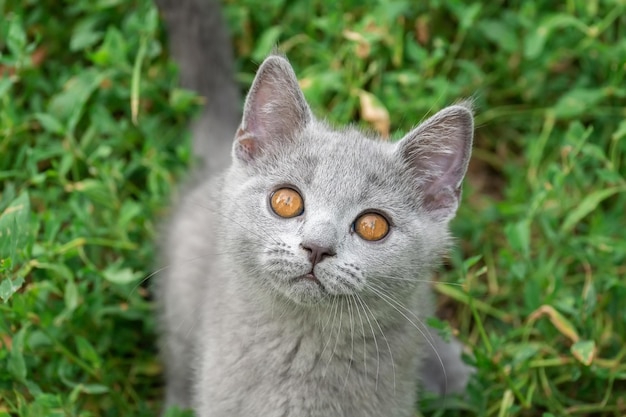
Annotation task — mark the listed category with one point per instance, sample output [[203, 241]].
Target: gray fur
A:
[[242, 336], [199, 41]]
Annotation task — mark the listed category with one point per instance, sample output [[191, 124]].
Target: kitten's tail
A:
[[200, 43]]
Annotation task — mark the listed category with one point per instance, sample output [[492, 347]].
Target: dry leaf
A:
[[563, 325], [374, 112], [422, 31], [362, 47]]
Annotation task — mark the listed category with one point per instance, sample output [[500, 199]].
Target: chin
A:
[[306, 292]]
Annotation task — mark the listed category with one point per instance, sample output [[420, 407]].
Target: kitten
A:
[[297, 280]]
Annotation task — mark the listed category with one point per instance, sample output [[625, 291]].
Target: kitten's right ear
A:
[[437, 153], [275, 110]]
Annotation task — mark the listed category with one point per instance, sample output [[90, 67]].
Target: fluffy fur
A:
[[242, 332]]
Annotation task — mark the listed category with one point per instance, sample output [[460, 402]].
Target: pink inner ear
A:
[[246, 145], [257, 107], [442, 192], [451, 167], [441, 196], [275, 109], [439, 151], [441, 199]]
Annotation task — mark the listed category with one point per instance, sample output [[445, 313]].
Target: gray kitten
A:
[[297, 280]]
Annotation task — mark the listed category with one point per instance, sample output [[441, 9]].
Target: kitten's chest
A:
[[305, 371]]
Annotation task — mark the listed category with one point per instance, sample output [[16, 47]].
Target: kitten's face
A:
[[314, 213], [331, 214]]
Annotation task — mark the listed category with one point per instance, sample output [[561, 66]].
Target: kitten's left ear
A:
[[437, 153], [275, 109]]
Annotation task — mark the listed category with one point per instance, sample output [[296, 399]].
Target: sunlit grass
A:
[[93, 140]]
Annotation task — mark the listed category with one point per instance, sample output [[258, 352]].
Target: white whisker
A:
[[345, 382], [356, 307], [233, 221], [365, 310], [396, 305], [332, 355], [330, 334]]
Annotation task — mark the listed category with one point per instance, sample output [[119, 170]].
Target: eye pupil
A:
[[287, 203], [371, 226]]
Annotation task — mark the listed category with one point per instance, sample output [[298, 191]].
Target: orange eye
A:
[[371, 226], [287, 203]]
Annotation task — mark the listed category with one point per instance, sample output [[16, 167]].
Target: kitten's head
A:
[[318, 213]]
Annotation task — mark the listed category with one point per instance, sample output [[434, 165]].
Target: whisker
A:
[[332, 355], [158, 271], [393, 364], [345, 382], [185, 261], [230, 219], [330, 334], [329, 315], [356, 307], [397, 304], [426, 281], [424, 332], [364, 305]]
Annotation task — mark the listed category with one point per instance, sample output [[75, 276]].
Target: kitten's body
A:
[[245, 331]]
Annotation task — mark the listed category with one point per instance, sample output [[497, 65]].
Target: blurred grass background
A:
[[93, 139]]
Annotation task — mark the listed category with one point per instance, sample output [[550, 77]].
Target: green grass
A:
[[93, 140]]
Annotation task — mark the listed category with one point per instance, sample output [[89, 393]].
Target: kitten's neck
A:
[[354, 316]]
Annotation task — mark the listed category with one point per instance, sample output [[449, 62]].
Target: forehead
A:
[[345, 168]]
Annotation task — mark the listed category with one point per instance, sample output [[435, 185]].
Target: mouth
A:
[[305, 289], [310, 277]]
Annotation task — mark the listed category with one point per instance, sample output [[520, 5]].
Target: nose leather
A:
[[317, 252]]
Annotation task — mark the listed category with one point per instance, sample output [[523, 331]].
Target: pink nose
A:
[[317, 252]]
